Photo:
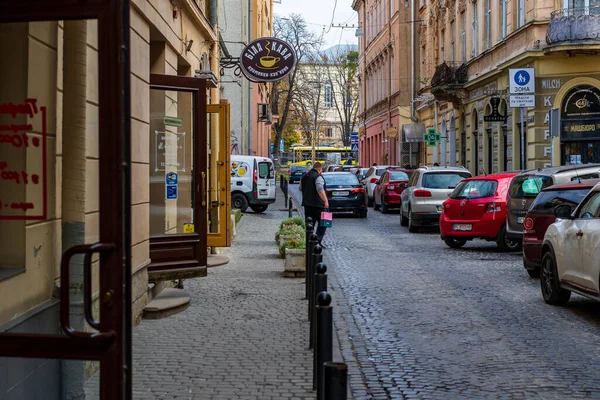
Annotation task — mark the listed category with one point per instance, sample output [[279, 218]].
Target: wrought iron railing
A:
[[580, 24]]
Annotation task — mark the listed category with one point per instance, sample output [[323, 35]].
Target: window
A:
[[443, 180], [332, 180], [546, 201], [443, 46], [520, 13], [524, 186], [329, 132], [392, 7], [328, 96], [488, 24], [393, 73], [463, 36], [264, 170], [398, 176], [590, 208], [475, 36], [423, 62], [452, 40], [475, 189], [503, 21]]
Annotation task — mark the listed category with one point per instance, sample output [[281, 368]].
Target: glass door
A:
[[65, 268], [178, 177]]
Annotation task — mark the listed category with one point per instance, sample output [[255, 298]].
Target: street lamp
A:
[[316, 85]]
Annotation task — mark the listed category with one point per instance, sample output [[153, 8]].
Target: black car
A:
[[296, 172], [345, 193]]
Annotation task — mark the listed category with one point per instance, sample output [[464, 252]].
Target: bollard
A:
[[335, 381], [281, 182], [285, 193], [320, 285], [290, 208], [324, 340], [310, 273], [309, 231], [316, 258]]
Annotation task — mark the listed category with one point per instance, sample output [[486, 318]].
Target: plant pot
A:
[[287, 238], [294, 265]]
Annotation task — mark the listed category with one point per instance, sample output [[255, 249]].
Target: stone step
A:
[[168, 302]]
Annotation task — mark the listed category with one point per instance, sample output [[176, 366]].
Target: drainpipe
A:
[[250, 121], [412, 61], [73, 185], [213, 12], [214, 145]]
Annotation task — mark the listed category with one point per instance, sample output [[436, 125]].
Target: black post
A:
[[281, 182], [317, 257], [290, 207], [320, 286], [335, 381], [309, 231], [285, 191], [324, 347]]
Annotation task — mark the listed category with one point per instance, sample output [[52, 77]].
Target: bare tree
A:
[[342, 75], [295, 32]]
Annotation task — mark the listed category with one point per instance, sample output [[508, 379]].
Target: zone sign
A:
[[522, 80]]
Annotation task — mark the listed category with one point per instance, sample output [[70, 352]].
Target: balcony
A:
[[574, 25], [448, 81]]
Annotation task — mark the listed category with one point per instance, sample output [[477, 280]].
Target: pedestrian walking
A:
[[314, 198]]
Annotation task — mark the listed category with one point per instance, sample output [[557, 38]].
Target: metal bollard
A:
[[281, 182], [317, 257], [309, 231], [285, 192], [335, 381], [324, 345], [320, 286], [290, 207]]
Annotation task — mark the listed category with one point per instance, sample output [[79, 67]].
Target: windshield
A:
[[380, 171], [443, 180], [476, 189], [548, 200], [340, 180], [524, 186], [398, 176], [298, 168]]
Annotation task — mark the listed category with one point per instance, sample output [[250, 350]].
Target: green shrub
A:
[[294, 220], [289, 230], [291, 244]]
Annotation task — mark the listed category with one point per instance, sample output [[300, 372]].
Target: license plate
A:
[[520, 220], [344, 193], [462, 227], [263, 191], [298, 173]]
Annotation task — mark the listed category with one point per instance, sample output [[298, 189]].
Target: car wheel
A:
[[411, 224], [549, 282], [506, 244], [259, 209], [361, 213], [239, 201], [384, 208], [403, 219], [370, 201], [455, 243]]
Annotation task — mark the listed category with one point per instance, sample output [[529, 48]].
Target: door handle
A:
[[579, 233], [88, 250], [203, 189]]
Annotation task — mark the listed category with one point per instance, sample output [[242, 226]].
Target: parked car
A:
[[345, 193], [370, 179], [346, 168], [476, 209], [361, 173], [525, 187], [541, 215], [571, 252], [252, 183], [386, 194], [426, 190], [296, 173], [331, 168]]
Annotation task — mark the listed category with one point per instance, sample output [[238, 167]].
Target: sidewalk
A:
[[244, 336]]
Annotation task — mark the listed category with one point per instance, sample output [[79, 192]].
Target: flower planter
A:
[[294, 263], [285, 238]]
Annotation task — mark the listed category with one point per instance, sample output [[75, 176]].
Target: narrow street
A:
[[421, 320]]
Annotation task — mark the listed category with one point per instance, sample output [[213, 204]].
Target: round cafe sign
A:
[[267, 59]]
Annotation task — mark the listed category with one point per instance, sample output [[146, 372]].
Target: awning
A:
[[413, 132]]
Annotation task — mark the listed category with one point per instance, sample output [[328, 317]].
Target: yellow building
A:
[[466, 51]]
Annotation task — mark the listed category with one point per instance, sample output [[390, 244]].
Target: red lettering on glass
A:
[[16, 128], [18, 140], [22, 206], [29, 108], [35, 178]]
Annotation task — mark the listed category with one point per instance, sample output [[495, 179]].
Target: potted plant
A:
[[293, 251]]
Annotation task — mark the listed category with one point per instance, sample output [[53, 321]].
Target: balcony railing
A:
[[448, 81], [574, 25]]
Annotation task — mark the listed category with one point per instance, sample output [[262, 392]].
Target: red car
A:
[[387, 190], [476, 209], [541, 215]]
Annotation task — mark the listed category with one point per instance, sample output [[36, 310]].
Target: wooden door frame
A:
[[111, 345], [184, 256]]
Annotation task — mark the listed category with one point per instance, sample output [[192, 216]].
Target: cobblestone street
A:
[[417, 319]]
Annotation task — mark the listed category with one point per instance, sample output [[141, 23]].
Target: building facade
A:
[[467, 49], [387, 82]]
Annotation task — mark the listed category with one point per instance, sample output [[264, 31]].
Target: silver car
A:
[[370, 180], [423, 195]]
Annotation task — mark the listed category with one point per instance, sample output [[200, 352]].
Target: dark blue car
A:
[[296, 172]]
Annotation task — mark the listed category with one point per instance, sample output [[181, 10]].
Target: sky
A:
[[319, 14]]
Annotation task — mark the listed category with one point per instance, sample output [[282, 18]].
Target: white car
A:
[[370, 180], [571, 252]]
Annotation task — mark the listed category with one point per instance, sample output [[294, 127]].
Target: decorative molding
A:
[[462, 6]]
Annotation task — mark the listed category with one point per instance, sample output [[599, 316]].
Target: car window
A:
[[264, 172], [591, 207], [592, 175], [443, 180], [340, 180], [476, 189], [524, 186], [380, 171], [546, 201], [414, 178], [382, 179], [398, 176]]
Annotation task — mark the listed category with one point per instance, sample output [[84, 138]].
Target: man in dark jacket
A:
[[314, 198]]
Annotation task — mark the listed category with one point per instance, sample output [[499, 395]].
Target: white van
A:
[[252, 183]]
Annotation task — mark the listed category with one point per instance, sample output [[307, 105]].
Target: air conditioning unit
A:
[[264, 112]]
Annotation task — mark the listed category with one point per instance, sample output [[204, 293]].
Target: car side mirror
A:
[[563, 211]]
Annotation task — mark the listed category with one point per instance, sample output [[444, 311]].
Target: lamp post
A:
[[316, 85]]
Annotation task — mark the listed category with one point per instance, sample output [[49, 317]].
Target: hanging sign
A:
[[431, 137], [267, 59], [495, 115]]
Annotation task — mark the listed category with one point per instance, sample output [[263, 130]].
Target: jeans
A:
[[315, 214]]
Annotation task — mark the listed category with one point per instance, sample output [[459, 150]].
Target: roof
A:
[[559, 169], [498, 176], [446, 168], [584, 183], [329, 55]]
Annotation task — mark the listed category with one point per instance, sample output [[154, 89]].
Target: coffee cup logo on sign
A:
[[267, 60]]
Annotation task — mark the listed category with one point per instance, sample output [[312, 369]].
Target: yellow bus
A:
[[302, 155]]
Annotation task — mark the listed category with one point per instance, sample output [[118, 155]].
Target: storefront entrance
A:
[[580, 126]]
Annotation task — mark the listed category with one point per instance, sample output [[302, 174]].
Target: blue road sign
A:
[[354, 147], [353, 134], [522, 80], [353, 139], [171, 192], [171, 178]]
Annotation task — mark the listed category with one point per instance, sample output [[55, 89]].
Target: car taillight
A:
[[493, 207], [327, 191], [528, 225], [390, 187], [422, 193], [373, 180], [358, 190], [255, 182]]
